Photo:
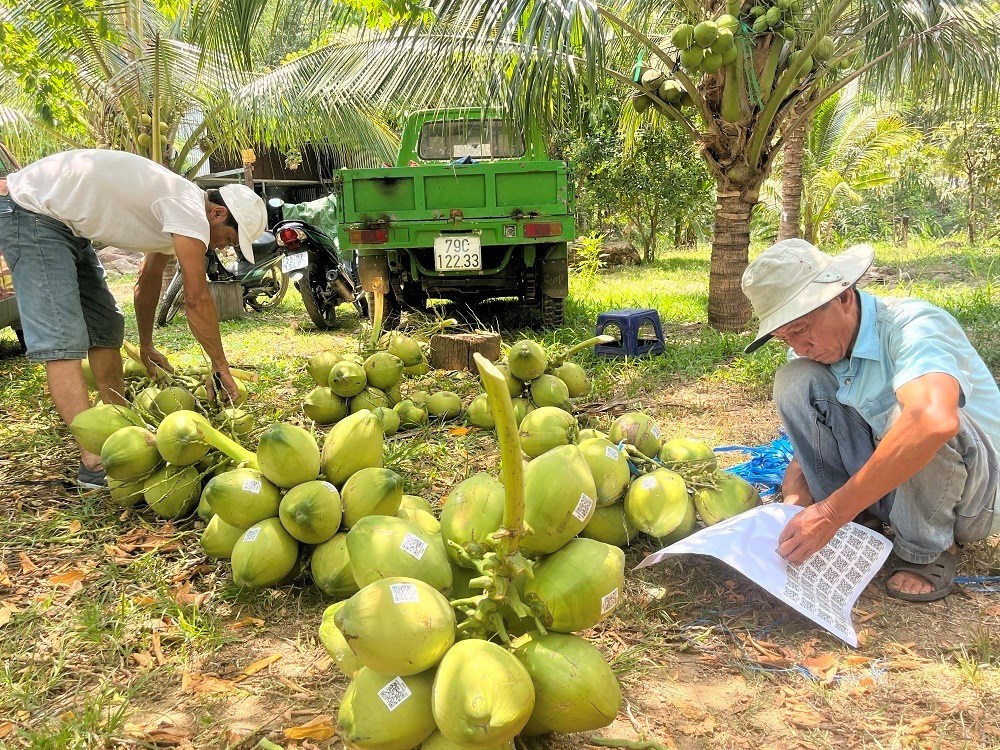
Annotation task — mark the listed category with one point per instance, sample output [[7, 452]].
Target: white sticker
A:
[[251, 534], [252, 485], [394, 693], [404, 593], [655, 429], [611, 453], [609, 602], [648, 483], [583, 507], [329, 486], [413, 545]]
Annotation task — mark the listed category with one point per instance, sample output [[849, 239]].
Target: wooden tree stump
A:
[[228, 296], [453, 351]]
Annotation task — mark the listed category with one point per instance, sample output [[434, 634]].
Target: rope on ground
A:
[[766, 467], [982, 584]]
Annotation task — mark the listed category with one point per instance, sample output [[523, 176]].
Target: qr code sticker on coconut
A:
[[404, 593], [329, 486], [648, 483], [394, 693], [655, 429], [413, 545], [611, 453], [609, 601], [252, 534], [252, 485], [583, 507]]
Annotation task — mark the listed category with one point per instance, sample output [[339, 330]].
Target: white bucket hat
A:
[[794, 277], [248, 209]]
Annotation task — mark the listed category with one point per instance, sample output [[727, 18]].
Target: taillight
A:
[[290, 237], [369, 236], [543, 229]]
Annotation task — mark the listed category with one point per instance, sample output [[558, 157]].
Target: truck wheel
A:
[[323, 316], [390, 311], [553, 311], [172, 301]]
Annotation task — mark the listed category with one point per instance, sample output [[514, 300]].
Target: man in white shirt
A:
[[55, 207]]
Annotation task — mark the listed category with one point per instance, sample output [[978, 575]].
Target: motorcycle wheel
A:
[[268, 292], [172, 301], [323, 317]]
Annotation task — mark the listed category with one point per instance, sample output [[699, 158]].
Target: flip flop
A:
[[939, 573]]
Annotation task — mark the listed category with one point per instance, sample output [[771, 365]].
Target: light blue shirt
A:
[[901, 340]]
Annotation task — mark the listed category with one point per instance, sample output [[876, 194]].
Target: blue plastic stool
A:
[[629, 322]]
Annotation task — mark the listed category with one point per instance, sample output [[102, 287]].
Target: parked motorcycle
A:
[[312, 260], [264, 281]]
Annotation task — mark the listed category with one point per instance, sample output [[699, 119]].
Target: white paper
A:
[[823, 588]]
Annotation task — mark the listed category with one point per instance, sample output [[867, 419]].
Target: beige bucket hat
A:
[[794, 277]]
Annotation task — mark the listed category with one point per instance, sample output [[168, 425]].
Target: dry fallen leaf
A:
[[27, 566], [194, 682], [6, 727], [247, 622], [75, 527], [458, 431], [259, 665], [319, 728], [74, 575], [143, 658]]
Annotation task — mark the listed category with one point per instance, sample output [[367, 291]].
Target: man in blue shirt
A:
[[889, 409]]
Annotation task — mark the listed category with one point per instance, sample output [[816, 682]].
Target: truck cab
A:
[[473, 209]]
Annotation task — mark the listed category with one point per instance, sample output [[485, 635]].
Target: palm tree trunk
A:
[[728, 308], [791, 184]]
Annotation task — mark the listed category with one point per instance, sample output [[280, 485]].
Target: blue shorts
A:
[[62, 290]]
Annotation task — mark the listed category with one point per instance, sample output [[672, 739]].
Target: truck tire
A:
[[172, 301], [314, 309], [553, 311]]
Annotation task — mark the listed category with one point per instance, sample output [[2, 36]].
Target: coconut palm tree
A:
[[548, 58], [849, 149]]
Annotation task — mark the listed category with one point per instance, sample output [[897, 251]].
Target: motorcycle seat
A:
[[264, 246]]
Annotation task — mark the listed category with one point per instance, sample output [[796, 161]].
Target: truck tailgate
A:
[[426, 192]]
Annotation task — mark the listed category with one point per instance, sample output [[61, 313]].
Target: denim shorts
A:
[[62, 290]]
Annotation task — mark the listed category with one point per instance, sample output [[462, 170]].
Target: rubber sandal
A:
[[939, 573], [91, 479]]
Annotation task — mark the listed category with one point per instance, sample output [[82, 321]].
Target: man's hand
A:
[[229, 394], [807, 533], [154, 361]]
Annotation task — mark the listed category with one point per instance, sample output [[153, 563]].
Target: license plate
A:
[[458, 252], [294, 262]]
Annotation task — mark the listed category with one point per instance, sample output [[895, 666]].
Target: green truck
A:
[[473, 209]]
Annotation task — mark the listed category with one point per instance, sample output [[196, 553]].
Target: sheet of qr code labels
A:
[[824, 588]]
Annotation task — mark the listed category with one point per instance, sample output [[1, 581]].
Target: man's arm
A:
[[929, 419], [146, 295]]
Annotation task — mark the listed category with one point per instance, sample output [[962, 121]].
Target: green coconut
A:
[[93, 426], [172, 491], [390, 547], [354, 443], [438, 741], [415, 371], [526, 360], [143, 401], [242, 497], [383, 712], [691, 58], [334, 643], [410, 415], [712, 63], [319, 365], [408, 350], [705, 33], [417, 503], [683, 36], [323, 406], [657, 502], [730, 55], [398, 626], [548, 390], [387, 419], [288, 455], [724, 42], [235, 422], [421, 518], [371, 399], [483, 696], [730, 496], [347, 379], [609, 467], [444, 405], [522, 407], [472, 512], [126, 494], [684, 529], [727, 22], [825, 49], [330, 566], [311, 512], [545, 428], [610, 524], [133, 370], [129, 453], [575, 377], [219, 538], [479, 414], [575, 689], [515, 387], [371, 492], [637, 429], [559, 499], [179, 439], [394, 395], [173, 399], [264, 555], [578, 586], [688, 457], [88, 374], [383, 370], [590, 434]]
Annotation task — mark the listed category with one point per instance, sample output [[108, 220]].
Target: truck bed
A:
[[432, 192]]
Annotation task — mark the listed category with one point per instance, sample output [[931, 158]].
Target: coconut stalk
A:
[[221, 442], [557, 359]]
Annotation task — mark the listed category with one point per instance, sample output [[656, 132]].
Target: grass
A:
[[102, 663]]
